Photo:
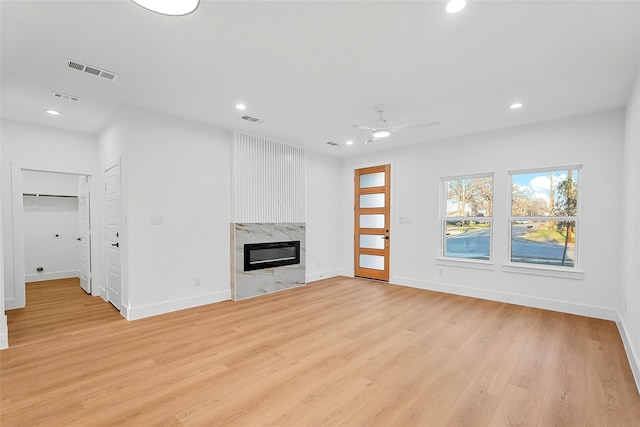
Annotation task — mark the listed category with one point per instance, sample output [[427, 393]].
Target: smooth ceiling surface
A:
[[311, 69]]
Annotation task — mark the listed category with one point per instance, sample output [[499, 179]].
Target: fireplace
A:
[[259, 256]]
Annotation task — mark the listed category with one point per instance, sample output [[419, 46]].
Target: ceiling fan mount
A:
[[382, 129]]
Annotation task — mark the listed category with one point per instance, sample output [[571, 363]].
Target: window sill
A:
[[465, 263], [543, 271]]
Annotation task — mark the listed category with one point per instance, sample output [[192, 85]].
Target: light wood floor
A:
[[337, 352]]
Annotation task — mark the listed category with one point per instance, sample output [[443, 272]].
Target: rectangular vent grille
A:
[[252, 119], [92, 70], [61, 95]]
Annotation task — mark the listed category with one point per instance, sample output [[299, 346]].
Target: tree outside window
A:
[[544, 217], [467, 217]]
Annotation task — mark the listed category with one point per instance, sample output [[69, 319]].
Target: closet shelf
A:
[[48, 195]]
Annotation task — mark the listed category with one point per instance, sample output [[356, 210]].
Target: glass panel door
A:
[[372, 221]]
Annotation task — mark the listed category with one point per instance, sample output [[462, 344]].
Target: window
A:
[[544, 217], [467, 217]]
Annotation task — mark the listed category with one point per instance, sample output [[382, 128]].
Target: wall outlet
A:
[[196, 282]]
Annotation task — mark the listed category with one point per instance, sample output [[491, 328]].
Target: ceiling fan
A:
[[381, 128]]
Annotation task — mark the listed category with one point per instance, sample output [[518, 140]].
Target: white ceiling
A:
[[311, 69]]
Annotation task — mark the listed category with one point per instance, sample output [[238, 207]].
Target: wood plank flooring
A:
[[340, 351]]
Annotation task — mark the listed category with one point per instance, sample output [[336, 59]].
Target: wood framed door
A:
[[372, 222]]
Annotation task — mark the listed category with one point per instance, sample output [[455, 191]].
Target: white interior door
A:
[[112, 236], [84, 233]]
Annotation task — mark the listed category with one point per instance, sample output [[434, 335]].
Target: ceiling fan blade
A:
[[420, 125], [370, 140], [362, 127]]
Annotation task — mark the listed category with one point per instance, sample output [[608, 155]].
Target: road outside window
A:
[[467, 217], [544, 217]]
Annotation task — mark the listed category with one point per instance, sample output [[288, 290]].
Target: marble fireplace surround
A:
[[247, 284]]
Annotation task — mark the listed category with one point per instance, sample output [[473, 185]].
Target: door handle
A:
[[79, 239], [117, 245]]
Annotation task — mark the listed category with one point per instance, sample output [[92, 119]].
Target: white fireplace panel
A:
[[247, 284]]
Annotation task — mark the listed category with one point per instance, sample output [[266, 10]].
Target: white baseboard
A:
[[325, 275], [11, 304], [41, 277], [529, 301], [634, 358], [135, 313], [4, 332]]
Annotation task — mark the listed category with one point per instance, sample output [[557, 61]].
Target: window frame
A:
[[572, 272], [442, 258]]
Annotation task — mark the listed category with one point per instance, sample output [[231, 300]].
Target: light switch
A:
[[156, 220]]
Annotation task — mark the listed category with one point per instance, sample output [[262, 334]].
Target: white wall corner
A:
[[634, 359], [135, 313]]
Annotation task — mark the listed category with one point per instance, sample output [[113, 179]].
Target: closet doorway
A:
[[51, 211]]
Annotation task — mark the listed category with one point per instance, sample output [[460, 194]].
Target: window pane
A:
[[372, 200], [551, 193], [469, 196], [543, 242], [372, 221], [371, 241], [372, 180], [375, 262], [468, 239]]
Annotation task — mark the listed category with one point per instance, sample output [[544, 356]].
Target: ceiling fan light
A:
[[381, 133], [455, 6], [169, 7]]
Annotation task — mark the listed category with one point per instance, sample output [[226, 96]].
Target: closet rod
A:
[[48, 195]]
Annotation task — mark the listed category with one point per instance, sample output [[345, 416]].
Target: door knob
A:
[[117, 245], [79, 239]]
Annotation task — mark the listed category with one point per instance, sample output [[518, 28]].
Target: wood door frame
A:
[[353, 169]]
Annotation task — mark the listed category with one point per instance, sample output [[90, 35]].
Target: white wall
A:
[[594, 141], [61, 184], [630, 296], [32, 147], [50, 226], [50, 232], [178, 170], [323, 216]]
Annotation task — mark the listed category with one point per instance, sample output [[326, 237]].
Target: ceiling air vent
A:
[[92, 70], [252, 119], [61, 95]]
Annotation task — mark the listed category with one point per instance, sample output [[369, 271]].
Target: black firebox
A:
[[273, 254]]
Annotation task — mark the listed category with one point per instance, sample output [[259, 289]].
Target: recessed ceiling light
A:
[[381, 133], [241, 107], [455, 6], [169, 7], [53, 112], [515, 105], [349, 142]]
